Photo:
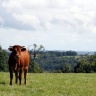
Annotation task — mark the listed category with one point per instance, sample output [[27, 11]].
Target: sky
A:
[[55, 24]]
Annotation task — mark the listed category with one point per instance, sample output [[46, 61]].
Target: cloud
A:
[[1, 21], [45, 14], [29, 20], [57, 24]]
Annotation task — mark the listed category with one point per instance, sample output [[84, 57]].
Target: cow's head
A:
[[16, 51]]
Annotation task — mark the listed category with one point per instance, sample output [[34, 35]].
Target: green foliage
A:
[[66, 68], [54, 61], [83, 66], [34, 66], [71, 53], [3, 60], [86, 65]]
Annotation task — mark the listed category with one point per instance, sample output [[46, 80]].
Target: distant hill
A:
[[78, 52], [85, 52]]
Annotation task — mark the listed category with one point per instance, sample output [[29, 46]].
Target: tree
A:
[[71, 53], [83, 66], [92, 60], [3, 60], [66, 68], [35, 54]]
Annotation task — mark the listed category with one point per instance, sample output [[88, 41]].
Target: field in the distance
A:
[[50, 84]]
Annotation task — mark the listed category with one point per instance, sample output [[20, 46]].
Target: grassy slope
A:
[[50, 84]]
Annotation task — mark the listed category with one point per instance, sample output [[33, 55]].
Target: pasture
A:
[[50, 84]]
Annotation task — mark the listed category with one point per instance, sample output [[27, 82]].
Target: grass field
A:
[[50, 84]]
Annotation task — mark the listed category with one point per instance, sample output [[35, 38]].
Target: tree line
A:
[[53, 61], [86, 65]]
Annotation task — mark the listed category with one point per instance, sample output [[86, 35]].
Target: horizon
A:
[[30, 48], [62, 50]]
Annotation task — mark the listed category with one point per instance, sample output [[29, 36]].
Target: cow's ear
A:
[[23, 49], [10, 49]]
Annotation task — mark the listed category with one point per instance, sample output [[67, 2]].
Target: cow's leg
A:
[[11, 77], [25, 75], [16, 77], [20, 76]]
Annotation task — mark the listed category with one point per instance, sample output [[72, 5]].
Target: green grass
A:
[[50, 84]]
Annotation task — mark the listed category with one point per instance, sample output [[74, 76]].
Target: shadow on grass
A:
[[2, 83]]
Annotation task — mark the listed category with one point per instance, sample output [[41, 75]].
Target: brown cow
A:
[[18, 61]]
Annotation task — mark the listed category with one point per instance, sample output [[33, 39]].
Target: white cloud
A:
[[57, 24], [28, 19], [42, 13], [12, 5], [1, 21]]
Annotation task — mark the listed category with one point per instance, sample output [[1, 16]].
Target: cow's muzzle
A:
[[16, 57]]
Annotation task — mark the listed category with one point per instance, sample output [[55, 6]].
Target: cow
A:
[[18, 62]]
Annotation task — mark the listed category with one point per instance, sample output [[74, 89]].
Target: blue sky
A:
[[55, 24]]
